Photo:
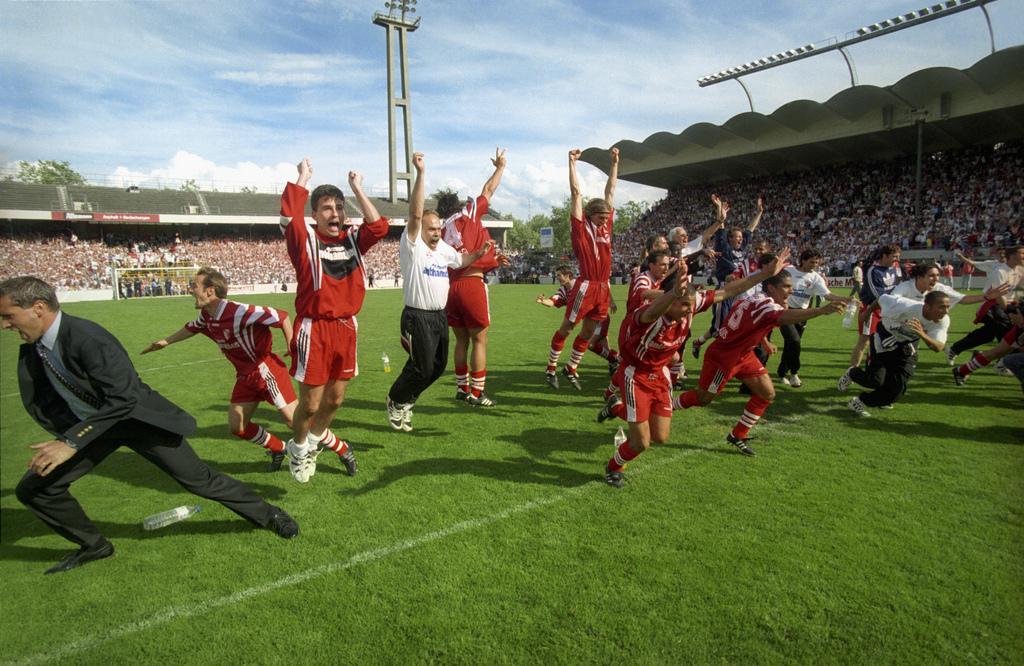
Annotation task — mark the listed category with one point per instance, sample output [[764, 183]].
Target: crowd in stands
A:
[[970, 198], [973, 198]]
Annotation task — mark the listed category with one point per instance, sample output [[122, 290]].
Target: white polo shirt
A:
[[425, 271]]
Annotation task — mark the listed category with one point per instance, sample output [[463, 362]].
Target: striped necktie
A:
[[84, 396]]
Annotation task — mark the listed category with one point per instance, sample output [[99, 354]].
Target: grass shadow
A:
[[520, 470]]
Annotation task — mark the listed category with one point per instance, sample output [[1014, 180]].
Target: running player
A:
[[591, 230], [1011, 344], [243, 334], [881, 277], [732, 352], [650, 336], [564, 276], [807, 283], [992, 317], [328, 261]]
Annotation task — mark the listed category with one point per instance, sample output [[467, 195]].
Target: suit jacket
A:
[[99, 365]]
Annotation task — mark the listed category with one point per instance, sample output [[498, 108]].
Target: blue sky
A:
[[237, 92]]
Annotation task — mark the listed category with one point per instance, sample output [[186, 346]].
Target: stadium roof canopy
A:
[[978, 105]]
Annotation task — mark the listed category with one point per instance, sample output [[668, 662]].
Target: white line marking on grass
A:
[[191, 610]]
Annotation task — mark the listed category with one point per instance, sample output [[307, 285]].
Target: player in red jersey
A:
[[648, 340], [559, 299], [328, 261], [646, 285], [591, 231], [468, 308], [732, 352], [1011, 343], [243, 334]]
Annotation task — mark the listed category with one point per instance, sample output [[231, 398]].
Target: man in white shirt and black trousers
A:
[[424, 259], [894, 348]]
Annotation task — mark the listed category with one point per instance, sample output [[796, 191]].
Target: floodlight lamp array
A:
[[869, 31]]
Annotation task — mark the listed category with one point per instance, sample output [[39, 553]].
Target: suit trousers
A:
[[50, 499], [425, 337], [791, 336]]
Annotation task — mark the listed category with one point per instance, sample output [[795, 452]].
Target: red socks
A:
[[751, 415], [623, 455], [257, 434]]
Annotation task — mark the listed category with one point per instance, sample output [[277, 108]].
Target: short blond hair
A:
[[595, 207]]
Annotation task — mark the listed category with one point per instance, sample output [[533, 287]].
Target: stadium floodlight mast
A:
[[884, 27], [396, 22]]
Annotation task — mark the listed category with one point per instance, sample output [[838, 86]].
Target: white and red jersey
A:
[[641, 283], [466, 233], [745, 269], [592, 245], [649, 347], [561, 297], [241, 331], [748, 321], [330, 273]]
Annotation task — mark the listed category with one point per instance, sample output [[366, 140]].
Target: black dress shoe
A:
[[83, 556], [283, 525]]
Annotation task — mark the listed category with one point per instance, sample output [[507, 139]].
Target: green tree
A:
[[48, 172], [189, 185], [248, 190], [628, 214]]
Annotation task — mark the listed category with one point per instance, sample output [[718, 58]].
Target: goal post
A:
[[149, 281]]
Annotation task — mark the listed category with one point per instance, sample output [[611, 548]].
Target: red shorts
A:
[[588, 299], [270, 382], [324, 349], [468, 304], [644, 393], [718, 369], [867, 325]]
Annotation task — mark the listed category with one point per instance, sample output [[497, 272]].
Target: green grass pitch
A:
[[488, 536]]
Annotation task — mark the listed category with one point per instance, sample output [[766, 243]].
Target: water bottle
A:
[[848, 319], [165, 518], [620, 438], [386, 361]]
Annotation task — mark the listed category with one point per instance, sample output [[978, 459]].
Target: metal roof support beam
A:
[[750, 100]]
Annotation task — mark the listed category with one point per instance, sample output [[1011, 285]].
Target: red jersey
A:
[[748, 321], [641, 283], [330, 273], [241, 331], [649, 347], [1015, 337], [466, 233], [592, 245], [561, 297]]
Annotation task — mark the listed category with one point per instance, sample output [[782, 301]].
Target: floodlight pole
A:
[[398, 24]]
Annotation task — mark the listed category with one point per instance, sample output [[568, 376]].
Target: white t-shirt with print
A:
[[425, 271], [805, 287]]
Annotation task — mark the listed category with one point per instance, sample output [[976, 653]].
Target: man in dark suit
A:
[[78, 383]]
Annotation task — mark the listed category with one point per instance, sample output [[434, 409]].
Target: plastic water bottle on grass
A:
[[620, 438], [386, 361], [165, 518]]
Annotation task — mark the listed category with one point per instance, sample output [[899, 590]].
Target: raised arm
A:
[[757, 217], [735, 287], [305, 168], [576, 198], [613, 176], [721, 212], [181, 334], [355, 181], [412, 225], [491, 186]]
